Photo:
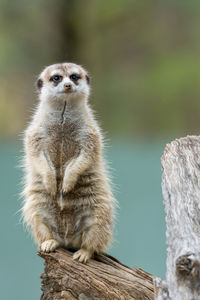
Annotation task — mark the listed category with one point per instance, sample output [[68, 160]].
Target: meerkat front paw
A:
[[50, 184], [68, 185], [82, 255], [49, 245]]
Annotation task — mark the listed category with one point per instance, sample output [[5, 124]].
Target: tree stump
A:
[[103, 278], [181, 194]]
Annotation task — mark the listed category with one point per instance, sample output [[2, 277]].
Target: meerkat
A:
[[68, 201]]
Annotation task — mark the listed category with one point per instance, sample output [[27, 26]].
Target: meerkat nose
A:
[[67, 86]]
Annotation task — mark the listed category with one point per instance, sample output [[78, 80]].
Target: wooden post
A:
[[101, 278], [181, 194]]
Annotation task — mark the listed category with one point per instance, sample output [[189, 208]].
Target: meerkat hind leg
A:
[[82, 255], [44, 236], [49, 245]]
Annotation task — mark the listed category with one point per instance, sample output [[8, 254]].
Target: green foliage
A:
[[143, 57]]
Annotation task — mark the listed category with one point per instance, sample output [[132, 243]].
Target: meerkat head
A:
[[64, 82]]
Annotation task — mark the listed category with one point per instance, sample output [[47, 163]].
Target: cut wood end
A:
[[190, 140]]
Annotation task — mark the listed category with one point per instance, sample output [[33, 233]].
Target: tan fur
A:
[[68, 201]]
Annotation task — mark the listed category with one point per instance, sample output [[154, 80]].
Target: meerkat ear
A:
[[88, 79], [39, 83]]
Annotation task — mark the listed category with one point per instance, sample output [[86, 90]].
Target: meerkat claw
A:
[[82, 255], [49, 245], [67, 188]]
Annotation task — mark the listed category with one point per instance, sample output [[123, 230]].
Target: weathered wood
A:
[[101, 278], [181, 194]]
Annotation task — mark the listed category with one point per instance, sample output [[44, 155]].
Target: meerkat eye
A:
[[75, 77], [56, 78]]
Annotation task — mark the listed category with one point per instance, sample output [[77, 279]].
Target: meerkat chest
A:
[[63, 140]]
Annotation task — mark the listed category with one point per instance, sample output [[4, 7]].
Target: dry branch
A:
[[101, 278], [181, 193]]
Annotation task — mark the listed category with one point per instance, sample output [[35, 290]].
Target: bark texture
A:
[[101, 278], [181, 194]]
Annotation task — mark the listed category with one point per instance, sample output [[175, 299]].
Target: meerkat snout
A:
[[67, 87]]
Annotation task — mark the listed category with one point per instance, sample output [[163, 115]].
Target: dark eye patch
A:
[[75, 77], [56, 78]]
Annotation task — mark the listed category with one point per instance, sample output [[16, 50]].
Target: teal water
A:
[[140, 227]]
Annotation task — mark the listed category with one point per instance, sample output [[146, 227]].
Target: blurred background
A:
[[144, 60]]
